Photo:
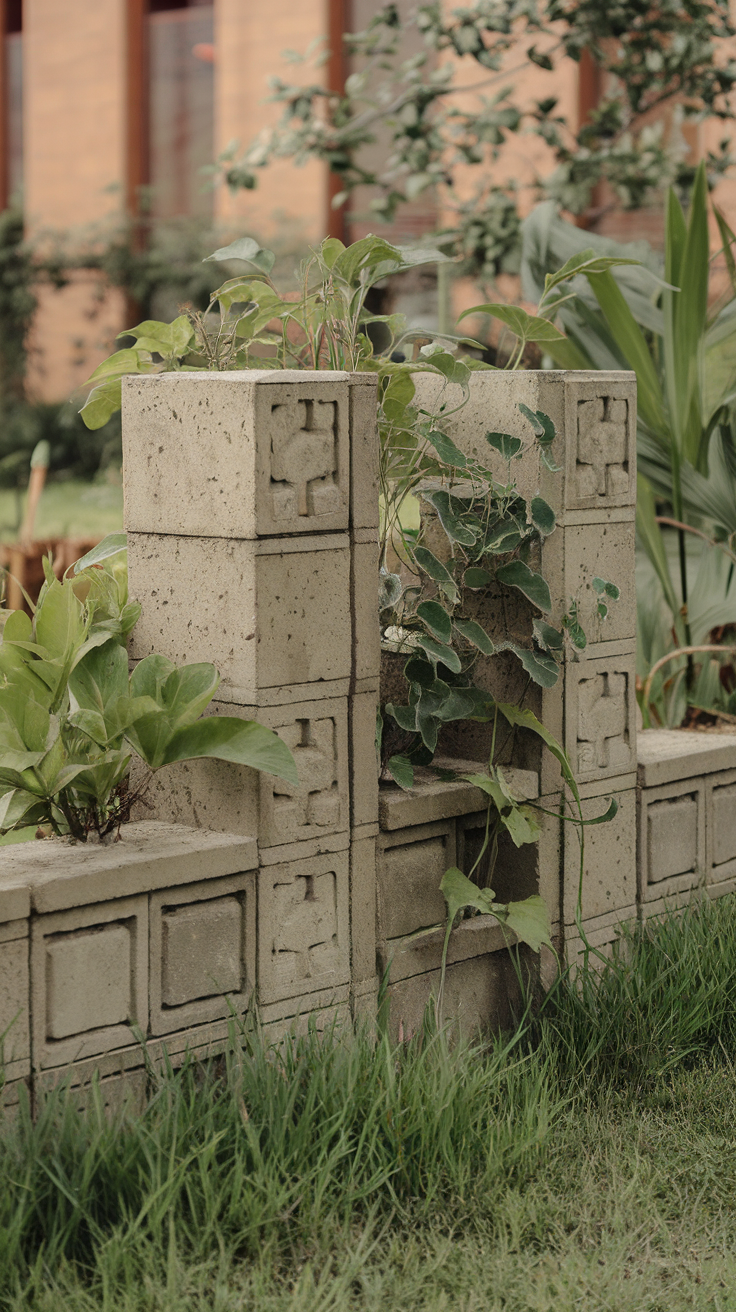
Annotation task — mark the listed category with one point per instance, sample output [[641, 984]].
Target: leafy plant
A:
[[72, 718], [683, 351], [491, 531], [432, 87]]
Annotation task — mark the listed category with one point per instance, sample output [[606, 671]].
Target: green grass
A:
[[587, 1162], [68, 508]]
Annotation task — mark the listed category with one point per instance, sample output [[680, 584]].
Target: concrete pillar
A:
[[251, 504], [591, 709]]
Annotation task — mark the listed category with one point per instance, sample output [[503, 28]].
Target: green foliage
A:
[[491, 531], [405, 94], [683, 351], [71, 717], [585, 1159]]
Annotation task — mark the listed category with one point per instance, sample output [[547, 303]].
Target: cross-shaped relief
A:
[[602, 467], [313, 804], [306, 914], [304, 459], [603, 728]]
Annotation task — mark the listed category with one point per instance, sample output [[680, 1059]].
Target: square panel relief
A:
[[202, 952], [722, 831], [601, 455], [89, 980], [318, 804], [411, 863], [306, 450], [602, 712], [303, 934]]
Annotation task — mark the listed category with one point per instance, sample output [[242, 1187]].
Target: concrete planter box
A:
[[149, 939], [687, 816]]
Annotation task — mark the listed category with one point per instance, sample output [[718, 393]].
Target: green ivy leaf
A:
[[510, 447], [517, 574], [549, 638], [453, 526], [476, 578], [401, 770], [427, 561], [544, 429], [542, 667], [529, 921], [438, 651], [446, 449], [543, 516], [472, 632], [436, 619]]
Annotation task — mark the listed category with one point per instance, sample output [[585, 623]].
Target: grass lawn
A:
[[588, 1162], [70, 508]]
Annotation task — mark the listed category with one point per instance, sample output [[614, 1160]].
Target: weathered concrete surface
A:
[[664, 755], [54, 875]]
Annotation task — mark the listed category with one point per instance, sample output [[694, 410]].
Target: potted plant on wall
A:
[[73, 719]]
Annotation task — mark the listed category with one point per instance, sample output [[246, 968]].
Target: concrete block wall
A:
[[592, 708], [251, 505], [114, 958], [686, 816]]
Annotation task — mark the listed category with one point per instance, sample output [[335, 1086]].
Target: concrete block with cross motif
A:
[[239, 454], [303, 926]]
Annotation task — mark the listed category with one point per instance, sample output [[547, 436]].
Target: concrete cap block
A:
[[435, 799], [151, 854], [15, 900], [279, 614], [240, 454], [416, 953], [666, 755]]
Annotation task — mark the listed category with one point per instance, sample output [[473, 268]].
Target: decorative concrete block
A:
[[601, 442], [411, 863], [363, 762], [15, 1043], [15, 900], [363, 909], [303, 927], [62, 875], [364, 589], [720, 804], [89, 980], [481, 994], [665, 755], [317, 734], [601, 717], [415, 954], [594, 413], [218, 795], [203, 948], [672, 838], [602, 550], [364, 1001], [364, 451], [603, 934], [241, 454], [440, 799], [201, 597], [609, 878]]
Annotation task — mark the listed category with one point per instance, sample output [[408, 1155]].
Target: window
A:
[[13, 96], [180, 107]]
